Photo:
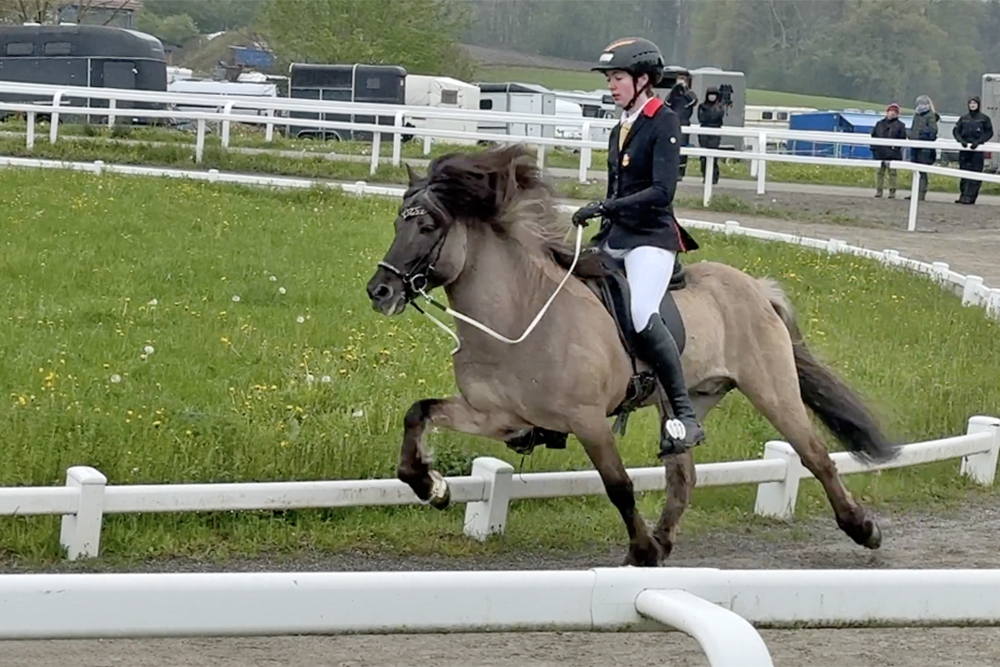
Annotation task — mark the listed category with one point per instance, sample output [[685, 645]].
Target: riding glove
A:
[[592, 210]]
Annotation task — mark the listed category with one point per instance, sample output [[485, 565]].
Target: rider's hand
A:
[[592, 210]]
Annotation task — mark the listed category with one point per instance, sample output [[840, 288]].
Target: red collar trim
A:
[[652, 106]]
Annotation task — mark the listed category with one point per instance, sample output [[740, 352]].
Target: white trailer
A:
[[443, 92], [517, 98]]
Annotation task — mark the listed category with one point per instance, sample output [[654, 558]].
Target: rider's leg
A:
[[648, 270]]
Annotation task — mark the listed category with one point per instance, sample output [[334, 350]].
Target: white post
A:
[[112, 105], [754, 162], [486, 517], [227, 110], [54, 127], [397, 139], [890, 257], [81, 532], [762, 168], [706, 197], [777, 499], [732, 227], [970, 293], [428, 140], [541, 157], [269, 128], [31, 130], [911, 224], [993, 304], [836, 245], [199, 142], [376, 149], [982, 468]]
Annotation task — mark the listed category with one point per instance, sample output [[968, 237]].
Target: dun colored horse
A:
[[484, 227]]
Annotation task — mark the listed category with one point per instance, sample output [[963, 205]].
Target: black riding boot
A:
[[659, 350]]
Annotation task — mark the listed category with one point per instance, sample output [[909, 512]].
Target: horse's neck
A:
[[503, 284]]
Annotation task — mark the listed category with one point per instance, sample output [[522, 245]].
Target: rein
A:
[[422, 291]]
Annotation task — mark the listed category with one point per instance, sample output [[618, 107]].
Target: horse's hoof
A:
[[440, 493], [644, 556], [874, 540]]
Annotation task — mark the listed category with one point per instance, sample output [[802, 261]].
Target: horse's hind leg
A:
[[453, 413], [777, 396], [599, 442]]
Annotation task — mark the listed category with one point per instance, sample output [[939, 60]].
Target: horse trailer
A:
[[82, 55], [517, 98], [382, 84]]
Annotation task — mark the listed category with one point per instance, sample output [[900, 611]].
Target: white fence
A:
[[719, 608], [487, 492], [225, 110]]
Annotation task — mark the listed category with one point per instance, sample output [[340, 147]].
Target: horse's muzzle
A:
[[386, 293]]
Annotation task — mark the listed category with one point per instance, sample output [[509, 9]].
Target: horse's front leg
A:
[[453, 413]]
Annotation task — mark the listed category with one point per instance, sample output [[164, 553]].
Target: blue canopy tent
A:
[[835, 121]]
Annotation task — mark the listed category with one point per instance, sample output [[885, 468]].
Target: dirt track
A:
[[966, 237]]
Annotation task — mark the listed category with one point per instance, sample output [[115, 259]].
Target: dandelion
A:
[[152, 302], [281, 290], [326, 379], [358, 413], [273, 278], [310, 378], [148, 349], [236, 298], [115, 378], [300, 319]]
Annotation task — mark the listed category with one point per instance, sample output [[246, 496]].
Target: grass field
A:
[[576, 80], [166, 331]]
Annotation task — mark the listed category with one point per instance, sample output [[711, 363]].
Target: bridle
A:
[[416, 280]]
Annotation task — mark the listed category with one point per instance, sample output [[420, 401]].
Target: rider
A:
[[639, 223]]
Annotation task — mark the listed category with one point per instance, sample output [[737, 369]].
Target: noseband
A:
[[415, 280]]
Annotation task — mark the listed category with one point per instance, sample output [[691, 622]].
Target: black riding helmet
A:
[[634, 55]]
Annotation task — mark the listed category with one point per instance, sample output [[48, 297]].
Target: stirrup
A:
[[678, 437]]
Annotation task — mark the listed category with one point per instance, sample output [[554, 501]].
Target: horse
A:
[[484, 226]]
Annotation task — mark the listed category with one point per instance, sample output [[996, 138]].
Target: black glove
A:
[[965, 145], [592, 210], [973, 147]]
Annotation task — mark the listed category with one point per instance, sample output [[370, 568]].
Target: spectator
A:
[[711, 113], [682, 101], [889, 127], [972, 130], [924, 128]]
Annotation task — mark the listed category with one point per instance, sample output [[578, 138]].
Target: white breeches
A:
[[648, 270]]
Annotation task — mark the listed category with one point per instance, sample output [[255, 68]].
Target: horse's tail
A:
[[836, 404]]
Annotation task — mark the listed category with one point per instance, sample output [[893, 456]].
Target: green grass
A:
[[578, 80], [97, 268]]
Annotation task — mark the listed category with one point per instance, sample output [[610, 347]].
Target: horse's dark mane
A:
[[502, 187]]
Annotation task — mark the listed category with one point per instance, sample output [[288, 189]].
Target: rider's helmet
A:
[[634, 55]]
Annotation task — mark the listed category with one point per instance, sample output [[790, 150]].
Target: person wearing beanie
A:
[[924, 128], [889, 127], [972, 130]]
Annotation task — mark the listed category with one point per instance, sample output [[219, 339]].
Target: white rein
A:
[[482, 327]]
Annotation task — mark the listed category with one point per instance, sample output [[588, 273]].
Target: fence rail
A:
[[721, 609], [487, 492]]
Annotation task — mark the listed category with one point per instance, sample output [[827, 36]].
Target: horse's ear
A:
[[410, 174]]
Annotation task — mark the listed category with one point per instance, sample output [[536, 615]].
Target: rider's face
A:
[[622, 87]]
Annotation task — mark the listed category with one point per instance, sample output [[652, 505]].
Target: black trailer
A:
[[82, 55], [383, 84]]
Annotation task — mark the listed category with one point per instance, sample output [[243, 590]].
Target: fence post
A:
[[982, 468], [939, 270], [112, 105], [30, 142], [836, 246], [81, 532], [54, 122], [486, 517], [762, 168], [199, 142], [911, 224], [993, 303], [970, 293], [227, 110], [397, 139], [777, 499], [706, 197], [376, 149]]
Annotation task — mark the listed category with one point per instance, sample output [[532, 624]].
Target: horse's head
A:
[[428, 251]]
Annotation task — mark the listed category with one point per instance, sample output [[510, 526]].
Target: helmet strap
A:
[[636, 91]]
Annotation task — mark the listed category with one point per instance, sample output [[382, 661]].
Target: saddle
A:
[[613, 291]]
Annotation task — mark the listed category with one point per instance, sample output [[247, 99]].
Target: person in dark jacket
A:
[[682, 101], [711, 113], [972, 130], [924, 128], [889, 127], [638, 224]]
